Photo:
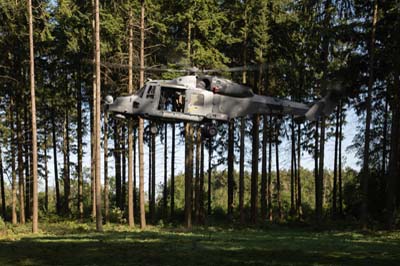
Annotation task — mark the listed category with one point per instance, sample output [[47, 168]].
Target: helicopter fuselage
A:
[[191, 99]]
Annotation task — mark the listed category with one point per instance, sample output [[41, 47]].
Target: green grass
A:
[[70, 243]]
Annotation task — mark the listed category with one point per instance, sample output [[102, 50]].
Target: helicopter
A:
[[206, 99]]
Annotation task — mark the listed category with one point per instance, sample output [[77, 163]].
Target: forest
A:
[[69, 167]]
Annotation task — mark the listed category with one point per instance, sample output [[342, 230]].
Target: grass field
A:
[[70, 243]]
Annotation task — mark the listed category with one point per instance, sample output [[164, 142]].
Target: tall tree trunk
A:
[[21, 183], [106, 181], [80, 146], [292, 171], [335, 171], [209, 176], [278, 180], [231, 158], [67, 184], [188, 174], [299, 204], [93, 116], [394, 161], [99, 218], [27, 153], [131, 221], [385, 130], [153, 177], [320, 180], [241, 169], [254, 169], [165, 187], [150, 191], [316, 157], [197, 177], [140, 128], [46, 175], [340, 159], [33, 113], [117, 161], [263, 193], [135, 195], [367, 134], [2, 190], [13, 173], [201, 193], [173, 171], [270, 218], [123, 181], [58, 199]]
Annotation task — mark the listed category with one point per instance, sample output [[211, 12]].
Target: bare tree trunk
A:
[[270, 217], [299, 204], [335, 171], [394, 161], [263, 192], [27, 146], [46, 175], [131, 221], [241, 168], [13, 173], [2, 190], [173, 171], [123, 151], [117, 161], [197, 177], [80, 147], [106, 181], [93, 117], [292, 172], [201, 193], [135, 195], [320, 179], [231, 158], [340, 159], [58, 199], [365, 169], [153, 177], [278, 181], [99, 218], [66, 163], [385, 130], [188, 174], [254, 169], [33, 113], [21, 183], [165, 187], [150, 179], [140, 130], [209, 176]]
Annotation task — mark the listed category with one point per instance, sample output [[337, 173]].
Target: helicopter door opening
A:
[[172, 100]]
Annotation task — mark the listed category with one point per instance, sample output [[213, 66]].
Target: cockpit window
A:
[[151, 91], [140, 92]]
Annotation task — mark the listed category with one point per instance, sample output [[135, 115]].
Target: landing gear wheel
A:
[[212, 131], [209, 131], [153, 129]]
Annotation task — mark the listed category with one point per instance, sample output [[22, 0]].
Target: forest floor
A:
[[70, 243]]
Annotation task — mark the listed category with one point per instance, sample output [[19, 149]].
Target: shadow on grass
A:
[[285, 247]]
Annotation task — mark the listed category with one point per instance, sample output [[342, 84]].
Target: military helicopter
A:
[[206, 99]]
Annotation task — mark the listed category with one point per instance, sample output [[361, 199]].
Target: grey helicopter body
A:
[[204, 99]]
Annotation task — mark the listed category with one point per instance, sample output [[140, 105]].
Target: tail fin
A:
[[325, 106]]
